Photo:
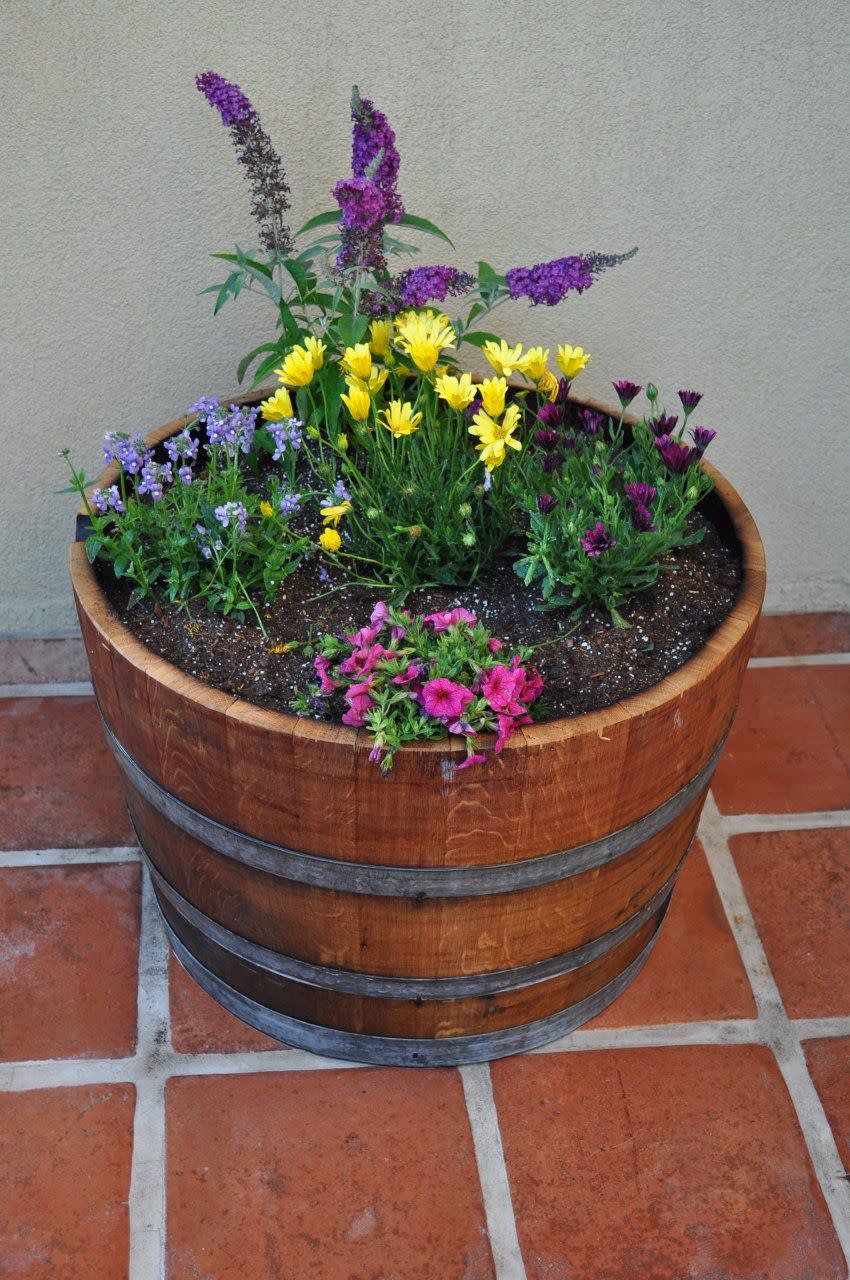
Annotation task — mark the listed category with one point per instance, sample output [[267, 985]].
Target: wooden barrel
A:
[[430, 917]]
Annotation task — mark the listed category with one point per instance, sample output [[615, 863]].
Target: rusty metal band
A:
[[407, 1051], [350, 982], [419, 883]]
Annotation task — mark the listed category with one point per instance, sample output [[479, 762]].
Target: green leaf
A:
[[477, 337], [223, 295], [92, 546], [242, 367], [243, 261], [266, 366], [299, 275], [321, 220], [422, 224]]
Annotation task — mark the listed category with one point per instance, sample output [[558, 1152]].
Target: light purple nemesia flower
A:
[[597, 540], [185, 474], [232, 513], [107, 500], [154, 477], [289, 504]]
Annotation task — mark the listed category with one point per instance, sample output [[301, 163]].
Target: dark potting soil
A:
[[586, 665]]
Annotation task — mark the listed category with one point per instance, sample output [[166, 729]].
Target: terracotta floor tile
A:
[[200, 1025], [69, 940], [40, 659], [789, 749], [323, 1175], [798, 887], [64, 1181], [782, 634], [829, 1067], [695, 971], [59, 785], [661, 1163]]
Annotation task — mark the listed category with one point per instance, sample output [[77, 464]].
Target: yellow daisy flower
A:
[[400, 419], [504, 359], [380, 332], [495, 437], [358, 360], [571, 360], [278, 408], [333, 515], [548, 385], [493, 395], [457, 392], [357, 402], [330, 541], [533, 363], [423, 335], [317, 350], [297, 369]]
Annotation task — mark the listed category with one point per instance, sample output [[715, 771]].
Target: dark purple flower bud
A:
[[626, 391], [641, 494], [563, 391], [676, 457], [550, 462], [690, 400], [547, 439], [664, 425], [597, 540], [551, 415], [590, 421], [703, 437], [474, 406], [642, 518], [545, 503]]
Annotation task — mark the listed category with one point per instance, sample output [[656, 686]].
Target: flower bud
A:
[[692, 493], [465, 510], [651, 392]]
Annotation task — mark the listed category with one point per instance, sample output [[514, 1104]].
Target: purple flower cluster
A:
[[232, 514], [254, 151], [104, 500], [155, 476], [368, 199], [548, 283], [590, 421], [597, 540], [417, 287], [285, 435], [130, 452], [289, 504], [233, 427], [640, 495]]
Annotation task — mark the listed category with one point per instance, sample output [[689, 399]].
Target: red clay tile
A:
[[323, 1175], [829, 1067], [64, 1181], [42, 659], [661, 1163], [200, 1025], [789, 749], [797, 887], [59, 785], [695, 971], [69, 940], [782, 634]]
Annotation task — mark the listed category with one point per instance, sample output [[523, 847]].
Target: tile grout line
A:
[[147, 1203], [492, 1171], [781, 1034], [92, 855]]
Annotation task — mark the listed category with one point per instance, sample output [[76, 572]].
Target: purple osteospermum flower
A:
[[703, 437], [289, 504], [590, 421], [563, 391], [642, 518], [676, 457], [550, 462], [626, 391], [255, 152], [597, 540], [547, 439], [641, 494], [545, 503], [690, 400], [551, 415], [664, 425]]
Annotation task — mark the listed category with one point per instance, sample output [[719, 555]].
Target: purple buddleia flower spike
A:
[[254, 150], [368, 199], [417, 287], [548, 283]]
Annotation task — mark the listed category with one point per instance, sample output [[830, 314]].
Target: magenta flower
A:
[[545, 503], [449, 618], [626, 391], [597, 540], [642, 519], [551, 415], [703, 437], [445, 700], [494, 644], [690, 400], [508, 725], [380, 613], [413, 673], [359, 702], [546, 438], [664, 425], [326, 685], [477, 757], [676, 457], [532, 686], [640, 493], [501, 685], [590, 421]]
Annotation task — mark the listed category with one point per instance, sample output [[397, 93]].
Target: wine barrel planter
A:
[[431, 917]]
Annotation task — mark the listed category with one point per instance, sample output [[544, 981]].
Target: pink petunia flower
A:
[[449, 618], [359, 702], [380, 613], [445, 700], [412, 673], [507, 727], [326, 685], [477, 757], [501, 685], [532, 688], [494, 644]]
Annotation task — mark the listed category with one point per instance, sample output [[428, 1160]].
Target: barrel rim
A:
[[741, 618]]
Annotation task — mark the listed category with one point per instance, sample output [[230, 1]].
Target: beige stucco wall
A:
[[713, 135]]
